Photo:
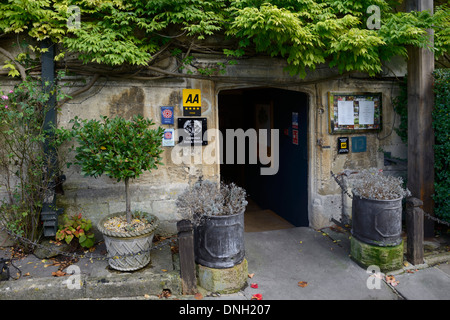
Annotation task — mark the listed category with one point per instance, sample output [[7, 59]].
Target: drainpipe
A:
[[49, 214]]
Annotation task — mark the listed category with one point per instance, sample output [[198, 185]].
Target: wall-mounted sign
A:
[[343, 145], [193, 131], [294, 120], [354, 112], [168, 138], [192, 102], [192, 111], [166, 115], [359, 144], [295, 136]]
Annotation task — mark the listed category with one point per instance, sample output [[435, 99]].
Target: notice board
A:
[[354, 112]]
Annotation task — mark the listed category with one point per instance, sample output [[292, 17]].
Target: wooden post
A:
[[187, 259], [414, 231], [420, 130]]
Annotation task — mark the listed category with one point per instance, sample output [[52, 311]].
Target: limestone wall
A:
[[157, 191]]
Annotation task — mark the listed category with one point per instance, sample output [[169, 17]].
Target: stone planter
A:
[[219, 241], [130, 251]]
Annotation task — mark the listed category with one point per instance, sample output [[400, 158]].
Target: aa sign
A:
[[192, 98]]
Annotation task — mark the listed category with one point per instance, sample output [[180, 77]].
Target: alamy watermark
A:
[[375, 278], [253, 145], [74, 20], [374, 21], [74, 280]]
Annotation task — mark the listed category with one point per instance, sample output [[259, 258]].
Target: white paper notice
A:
[[366, 112], [345, 113]]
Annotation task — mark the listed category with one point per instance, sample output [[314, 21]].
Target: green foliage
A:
[[76, 227], [441, 124], [121, 149], [23, 161], [304, 32], [400, 104], [117, 147]]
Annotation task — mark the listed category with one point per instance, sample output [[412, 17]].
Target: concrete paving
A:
[[279, 260]]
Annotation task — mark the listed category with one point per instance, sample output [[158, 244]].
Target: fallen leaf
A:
[[302, 284], [392, 281], [251, 275], [58, 273], [257, 296], [166, 293], [26, 274], [198, 296], [164, 270], [254, 285], [146, 296]]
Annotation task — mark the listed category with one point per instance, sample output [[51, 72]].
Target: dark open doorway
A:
[[285, 192]]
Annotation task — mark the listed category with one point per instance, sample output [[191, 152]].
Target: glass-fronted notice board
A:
[[354, 112]]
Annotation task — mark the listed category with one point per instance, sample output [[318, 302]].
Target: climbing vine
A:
[[441, 125], [130, 38]]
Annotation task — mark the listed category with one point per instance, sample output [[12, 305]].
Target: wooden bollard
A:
[[187, 259], [414, 231]]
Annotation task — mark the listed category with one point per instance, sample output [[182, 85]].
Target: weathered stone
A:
[[386, 258], [49, 249], [229, 280]]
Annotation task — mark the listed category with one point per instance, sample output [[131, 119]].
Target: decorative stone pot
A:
[[377, 222], [130, 251], [219, 241]]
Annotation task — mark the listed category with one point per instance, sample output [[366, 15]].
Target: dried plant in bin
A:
[[373, 184], [206, 198]]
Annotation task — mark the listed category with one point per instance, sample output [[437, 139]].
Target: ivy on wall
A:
[[441, 125]]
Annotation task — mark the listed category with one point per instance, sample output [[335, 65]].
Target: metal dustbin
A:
[[219, 241], [377, 222]]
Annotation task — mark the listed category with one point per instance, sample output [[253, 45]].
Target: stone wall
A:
[[156, 192]]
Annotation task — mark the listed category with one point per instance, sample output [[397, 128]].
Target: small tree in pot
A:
[[123, 150], [217, 213]]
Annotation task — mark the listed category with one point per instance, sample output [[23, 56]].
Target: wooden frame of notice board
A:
[[354, 112]]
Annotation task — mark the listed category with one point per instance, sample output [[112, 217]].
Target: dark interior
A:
[[285, 192]]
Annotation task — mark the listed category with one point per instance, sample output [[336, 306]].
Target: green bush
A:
[[119, 148], [76, 227], [24, 163], [441, 124]]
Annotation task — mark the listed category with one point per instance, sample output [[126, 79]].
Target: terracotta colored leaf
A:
[[302, 284], [254, 285], [58, 273], [198, 296], [251, 275], [257, 296], [392, 281]]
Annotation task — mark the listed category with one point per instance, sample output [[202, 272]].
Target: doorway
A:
[[279, 199]]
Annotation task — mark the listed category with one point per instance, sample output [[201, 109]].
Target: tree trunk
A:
[[127, 199]]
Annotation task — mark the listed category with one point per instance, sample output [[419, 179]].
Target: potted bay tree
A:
[[121, 149], [217, 214]]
